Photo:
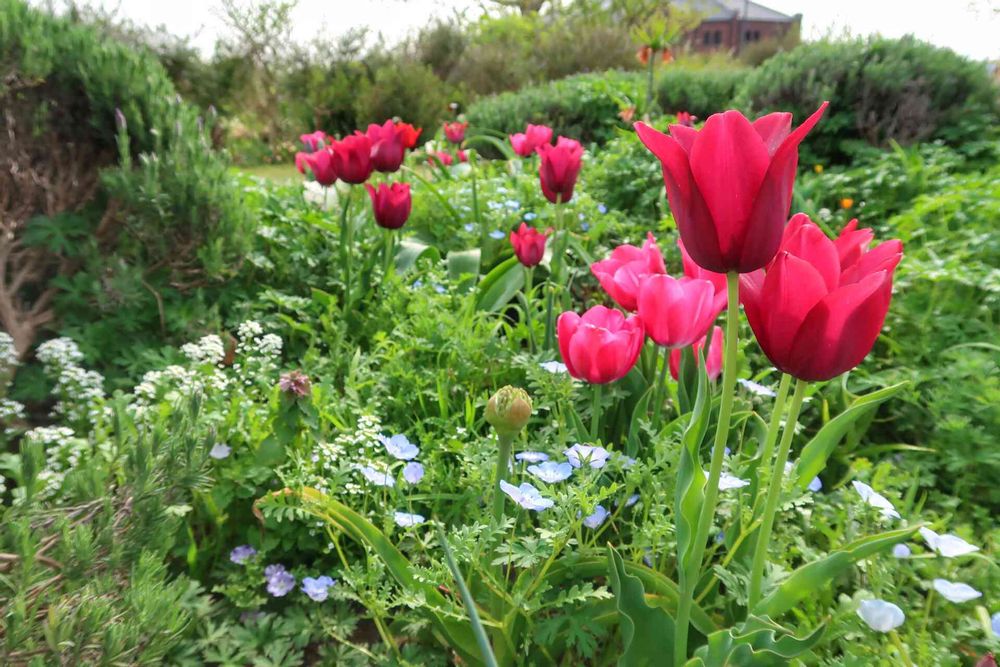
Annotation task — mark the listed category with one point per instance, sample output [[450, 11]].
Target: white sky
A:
[[971, 27]]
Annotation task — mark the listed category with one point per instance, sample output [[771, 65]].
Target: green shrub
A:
[[410, 91], [701, 92], [879, 89]]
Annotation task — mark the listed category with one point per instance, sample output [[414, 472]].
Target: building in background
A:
[[732, 25]]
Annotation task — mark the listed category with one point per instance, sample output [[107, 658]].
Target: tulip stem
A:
[[503, 462], [774, 426], [689, 578], [661, 382], [555, 272], [773, 495], [389, 243], [595, 413], [528, 275], [346, 241]]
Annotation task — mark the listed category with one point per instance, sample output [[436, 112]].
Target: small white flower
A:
[[869, 496], [551, 472], [901, 551], [532, 457], [580, 455], [727, 482], [599, 516], [554, 367], [407, 520], [526, 496], [880, 615], [949, 546], [956, 591], [756, 388], [220, 451]]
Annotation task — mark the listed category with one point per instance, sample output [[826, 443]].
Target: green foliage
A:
[[409, 91], [701, 91]]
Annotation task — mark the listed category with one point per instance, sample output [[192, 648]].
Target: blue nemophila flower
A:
[[468, 226], [756, 388], [995, 622], [376, 477], [439, 288], [601, 208], [880, 615], [949, 546], [279, 580], [407, 520], [869, 496], [532, 457], [493, 205], [584, 226], [587, 455], [901, 551], [413, 472], [318, 589], [497, 234], [417, 284], [530, 215], [632, 500], [627, 461], [554, 366], [599, 516], [551, 472], [512, 204], [220, 451], [242, 554], [955, 591], [399, 446], [727, 482], [526, 496], [815, 485]]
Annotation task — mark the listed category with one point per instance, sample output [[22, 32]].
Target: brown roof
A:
[[727, 10]]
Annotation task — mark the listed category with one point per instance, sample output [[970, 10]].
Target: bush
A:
[[879, 90], [701, 92], [410, 91]]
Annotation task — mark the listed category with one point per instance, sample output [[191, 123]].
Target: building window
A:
[[717, 37], [751, 36], [706, 38]]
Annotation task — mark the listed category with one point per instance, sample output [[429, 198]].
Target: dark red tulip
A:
[[314, 141], [820, 304], [391, 204], [526, 143], [320, 164], [713, 365], [601, 346], [388, 147], [352, 158], [559, 169], [529, 245], [409, 134], [730, 184], [455, 132]]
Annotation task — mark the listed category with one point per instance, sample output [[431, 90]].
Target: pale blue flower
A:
[[632, 500], [493, 205], [512, 204], [530, 215], [901, 551], [469, 226], [601, 208], [407, 520], [439, 288], [279, 580], [880, 615], [954, 591], [532, 457], [413, 472], [220, 451], [242, 554], [551, 472], [597, 518], [869, 496], [554, 366], [727, 482], [949, 546], [400, 447], [756, 388], [995, 622], [584, 226], [376, 477], [815, 485], [592, 455], [526, 496], [497, 234], [627, 461], [318, 589], [417, 284]]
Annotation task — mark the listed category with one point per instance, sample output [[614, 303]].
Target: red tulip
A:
[[819, 306], [692, 270], [676, 312], [620, 274], [409, 134], [391, 204], [601, 346], [388, 146], [455, 132], [352, 158], [461, 155], [314, 141], [713, 365], [526, 143], [730, 184], [529, 245], [320, 164], [686, 119], [559, 168], [445, 158]]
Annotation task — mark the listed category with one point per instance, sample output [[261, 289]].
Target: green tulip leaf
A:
[[463, 267], [409, 252], [502, 146], [647, 632], [499, 286], [759, 642], [690, 493]]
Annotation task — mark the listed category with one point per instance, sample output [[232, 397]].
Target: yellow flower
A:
[[818, 168]]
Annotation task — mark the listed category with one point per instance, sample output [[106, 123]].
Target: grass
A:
[[278, 173]]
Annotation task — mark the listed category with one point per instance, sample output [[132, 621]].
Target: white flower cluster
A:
[[174, 383], [10, 410], [63, 452], [330, 455], [8, 355], [208, 350], [253, 342], [80, 392]]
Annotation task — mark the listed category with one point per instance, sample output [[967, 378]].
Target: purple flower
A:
[[295, 382], [242, 553], [551, 472], [279, 580], [597, 518], [318, 589], [587, 455]]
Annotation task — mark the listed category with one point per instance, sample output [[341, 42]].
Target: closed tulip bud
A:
[[445, 158], [819, 306], [529, 245], [730, 185], [600, 346], [314, 141], [320, 164], [391, 204], [455, 131], [526, 143], [713, 365], [387, 147], [408, 134], [352, 158], [559, 169], [508, 410], [620, 274]]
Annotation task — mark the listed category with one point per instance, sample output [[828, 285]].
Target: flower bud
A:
[[508, 410]]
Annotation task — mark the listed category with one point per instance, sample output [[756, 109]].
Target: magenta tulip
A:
[[319, 164], [391, 204], [620, 274], [819, 306], [352, 158], [388, 146], [559, 169], [455, 131], [713, 365], [676, 311], [314, 141], [692, 270], [601, 346], [730, 184], [529, 245], [526, 143]]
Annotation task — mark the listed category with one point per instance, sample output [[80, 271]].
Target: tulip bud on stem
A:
[[689, 578], [508, 410], [773, 494]]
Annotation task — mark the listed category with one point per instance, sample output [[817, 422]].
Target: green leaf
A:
[[759, 642], [409, 251], [502, 146], [638, 413], [809, 578], [470, 605], [818, 450], [690, 493], [463, 267], [499, 286], [647, 632]]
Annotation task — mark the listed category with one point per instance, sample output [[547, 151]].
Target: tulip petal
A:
[[566, 326], [773, 128], [807, 241], [684, 135], [792, 287], [883, 257], [852, 242], [751, 286]]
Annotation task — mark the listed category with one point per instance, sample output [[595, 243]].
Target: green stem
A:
[[661, 382], [773, 495], [503, 459], [555, 273], [902, 649], [595, 413], [690, 579], [346, 249], [389, 265], [775, 424], [528, 275]]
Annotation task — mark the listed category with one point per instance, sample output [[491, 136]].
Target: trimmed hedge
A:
[[701, 92]]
